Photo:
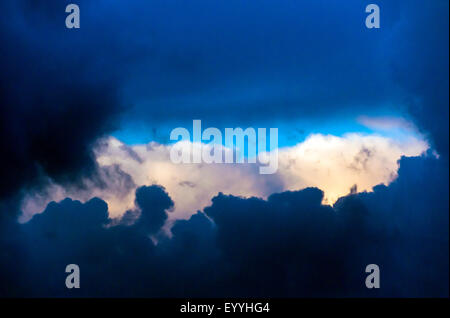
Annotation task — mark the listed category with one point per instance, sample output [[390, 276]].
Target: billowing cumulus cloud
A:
[[287, 245], [334, 164]]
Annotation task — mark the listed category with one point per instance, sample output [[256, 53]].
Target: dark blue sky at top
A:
[[295, 65], [256, 64]]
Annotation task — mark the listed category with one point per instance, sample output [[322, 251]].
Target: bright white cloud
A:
[[333, 164]]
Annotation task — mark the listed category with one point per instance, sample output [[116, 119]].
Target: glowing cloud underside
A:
[[333, 164]]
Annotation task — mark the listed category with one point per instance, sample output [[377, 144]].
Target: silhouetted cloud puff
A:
[[153, 202], [287, 245]]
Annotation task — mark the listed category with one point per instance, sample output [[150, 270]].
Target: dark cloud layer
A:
[[420, 65], [184, 60], [56, 98], [288, 245], [255, 63]]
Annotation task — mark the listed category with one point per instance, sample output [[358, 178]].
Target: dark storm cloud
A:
[[287, 245], [240, 63], [420, 65], [227, 63], [301, 58], [234, 62], [58, 94]]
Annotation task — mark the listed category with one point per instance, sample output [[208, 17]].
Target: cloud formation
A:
[[288, 245], [334, 164], [233, 231], [51, 107]]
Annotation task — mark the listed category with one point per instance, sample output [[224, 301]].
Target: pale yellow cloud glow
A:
[[333, 164]]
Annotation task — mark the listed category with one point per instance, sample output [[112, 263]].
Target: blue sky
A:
[[249, 64], [302, 66]]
